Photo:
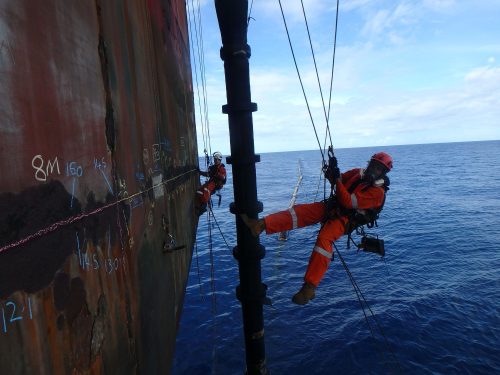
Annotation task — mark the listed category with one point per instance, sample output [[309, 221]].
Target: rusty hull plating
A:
[[97, 163]]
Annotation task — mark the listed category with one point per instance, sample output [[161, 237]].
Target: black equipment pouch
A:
[[372, 245]]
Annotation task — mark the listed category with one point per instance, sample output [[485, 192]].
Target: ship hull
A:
[[98, 169]]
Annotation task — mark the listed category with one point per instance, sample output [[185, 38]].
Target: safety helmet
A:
[[217, 155], [383, 158]]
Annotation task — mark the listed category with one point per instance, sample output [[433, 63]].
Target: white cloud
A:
[[397, 20], [391, 21], [437, 115], [382, 94], [484, 75], [445, 115], [439, 5], [386, 117], [349, 5]]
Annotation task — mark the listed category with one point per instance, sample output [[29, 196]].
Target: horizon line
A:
[[396, 145]]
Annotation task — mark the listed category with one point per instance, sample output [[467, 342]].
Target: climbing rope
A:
[[315, 68], [326, 113], [363, 302], [249, 14], [199, 65], [212, 265], [331, 75], [220, 231], [195, 63], [198, 269], [212, 288], [204, 79], [319, 183], [300, 80]]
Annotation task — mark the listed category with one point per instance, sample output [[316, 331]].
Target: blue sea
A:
[[435, 295]]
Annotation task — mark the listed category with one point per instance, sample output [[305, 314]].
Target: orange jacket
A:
[[217, 174], [364, 196]]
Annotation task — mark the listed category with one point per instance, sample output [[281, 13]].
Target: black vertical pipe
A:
[[235, 52]]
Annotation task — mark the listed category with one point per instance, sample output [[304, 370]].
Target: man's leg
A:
[[203, 196], [205, 191], [320, 259], [297, 216]]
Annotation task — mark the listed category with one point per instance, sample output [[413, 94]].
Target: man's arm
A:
[[220, 175], [362, 199]]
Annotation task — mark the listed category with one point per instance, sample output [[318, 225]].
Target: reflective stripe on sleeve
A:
[[199, 192], [294, 217], [323, 252], [354, 201]]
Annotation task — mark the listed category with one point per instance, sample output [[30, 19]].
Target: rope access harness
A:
[[331, 158]]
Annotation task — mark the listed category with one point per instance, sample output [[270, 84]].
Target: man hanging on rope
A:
[[217, 178], [358, 191]]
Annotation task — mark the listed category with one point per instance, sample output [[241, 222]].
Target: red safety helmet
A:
[[383, 158]]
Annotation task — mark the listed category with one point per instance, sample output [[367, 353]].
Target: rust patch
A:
[[61, 291], [98, 329], [76, 301], [109, 121], [96, 226], [32, 266], [81, 336], [69, 297]]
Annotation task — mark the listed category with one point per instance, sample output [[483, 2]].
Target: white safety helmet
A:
[[217, 155]]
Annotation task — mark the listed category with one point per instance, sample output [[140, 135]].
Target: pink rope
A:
[[53, 227]]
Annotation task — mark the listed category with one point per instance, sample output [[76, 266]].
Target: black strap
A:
[[354, 185]]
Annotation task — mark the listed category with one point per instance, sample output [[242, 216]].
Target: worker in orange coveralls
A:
[[217, 178], [356, 190]]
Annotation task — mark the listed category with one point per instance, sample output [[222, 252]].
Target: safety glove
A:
[[331, 171]]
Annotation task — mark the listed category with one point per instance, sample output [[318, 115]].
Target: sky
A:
[[406, 72]]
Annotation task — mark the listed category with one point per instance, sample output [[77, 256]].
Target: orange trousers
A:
[[205, 191], [303, 215]]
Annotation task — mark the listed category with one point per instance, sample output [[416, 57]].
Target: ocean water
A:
[[435, 295]]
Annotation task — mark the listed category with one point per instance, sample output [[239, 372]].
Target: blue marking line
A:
[[136, 202], [78, 245], [12, 318], [4, 323], [72, 193], [29, 307], [109, 185], [109, 242]]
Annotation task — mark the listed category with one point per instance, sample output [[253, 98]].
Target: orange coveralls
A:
[[217, 180], [364, 196]]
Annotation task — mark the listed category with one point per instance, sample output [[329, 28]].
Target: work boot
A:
[[256, 226], [304, 295]]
